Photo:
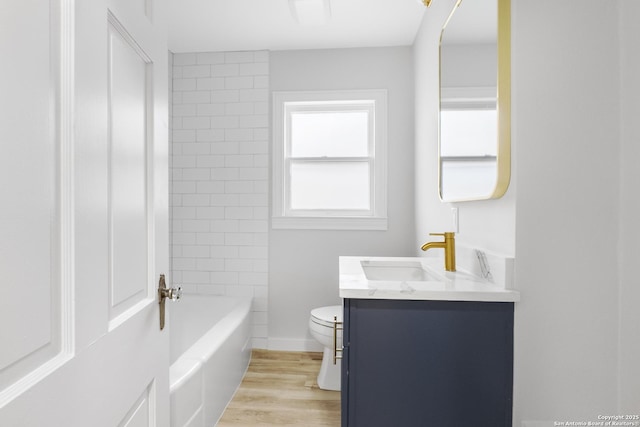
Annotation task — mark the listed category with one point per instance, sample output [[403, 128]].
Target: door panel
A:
[[142, 412], [99, 386], [30, 252], [83, 229], [128, 71]]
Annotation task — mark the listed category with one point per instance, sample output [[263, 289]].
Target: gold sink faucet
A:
[[449, 246]]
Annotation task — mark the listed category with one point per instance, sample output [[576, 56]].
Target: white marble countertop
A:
[[437, 285]]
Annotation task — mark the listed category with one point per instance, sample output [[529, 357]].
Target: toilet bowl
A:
[[321, 326]]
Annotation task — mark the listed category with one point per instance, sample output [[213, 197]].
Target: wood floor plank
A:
[[280, 389]]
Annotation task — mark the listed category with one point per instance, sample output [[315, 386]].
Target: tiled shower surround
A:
[[220, 177]]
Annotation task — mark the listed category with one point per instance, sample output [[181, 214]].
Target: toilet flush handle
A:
[[337, 326]]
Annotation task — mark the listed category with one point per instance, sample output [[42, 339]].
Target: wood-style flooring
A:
[[280, 389]]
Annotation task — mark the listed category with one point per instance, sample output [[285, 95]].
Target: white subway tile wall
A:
[[220, 177]]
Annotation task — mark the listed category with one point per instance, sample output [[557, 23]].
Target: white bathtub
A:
[[210, 352]]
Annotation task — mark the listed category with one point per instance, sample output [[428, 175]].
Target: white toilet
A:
[[321, 325]]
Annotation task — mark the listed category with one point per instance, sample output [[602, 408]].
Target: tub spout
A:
[[449, 246]]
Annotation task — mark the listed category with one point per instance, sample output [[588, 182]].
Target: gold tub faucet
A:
[[449, 246]]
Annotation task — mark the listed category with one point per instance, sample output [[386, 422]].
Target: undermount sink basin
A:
[[396, 271]]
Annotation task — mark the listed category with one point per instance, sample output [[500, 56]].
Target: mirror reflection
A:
[[474, 138]]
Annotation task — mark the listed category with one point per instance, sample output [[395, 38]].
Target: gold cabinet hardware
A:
[[173, 294]]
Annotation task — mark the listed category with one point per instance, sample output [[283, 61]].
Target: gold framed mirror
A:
[[474, 154]]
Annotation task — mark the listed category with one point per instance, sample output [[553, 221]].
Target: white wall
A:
[[220, 179], [303, 264], [566, 157], [566, 124], [629, 369]]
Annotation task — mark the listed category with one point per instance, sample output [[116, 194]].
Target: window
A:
[[329, 160], [468, 142]]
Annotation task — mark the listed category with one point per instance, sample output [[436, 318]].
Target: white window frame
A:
[[284, 103]]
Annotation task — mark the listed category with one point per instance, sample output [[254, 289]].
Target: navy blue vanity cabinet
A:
[[427, 363]]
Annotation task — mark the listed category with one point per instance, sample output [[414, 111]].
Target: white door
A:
[[83, 213]]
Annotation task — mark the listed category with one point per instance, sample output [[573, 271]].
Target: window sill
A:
[[335, 223]]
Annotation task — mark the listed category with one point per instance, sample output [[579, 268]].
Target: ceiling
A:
[[473, 22], [232, 25]]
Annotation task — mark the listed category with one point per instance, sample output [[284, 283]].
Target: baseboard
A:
[[284, 344]]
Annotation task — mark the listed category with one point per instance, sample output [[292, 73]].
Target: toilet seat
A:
[[324, 316]]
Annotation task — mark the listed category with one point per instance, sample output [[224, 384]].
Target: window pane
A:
[[468, 132], [463, 180], [330, 185], [330, 134]]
